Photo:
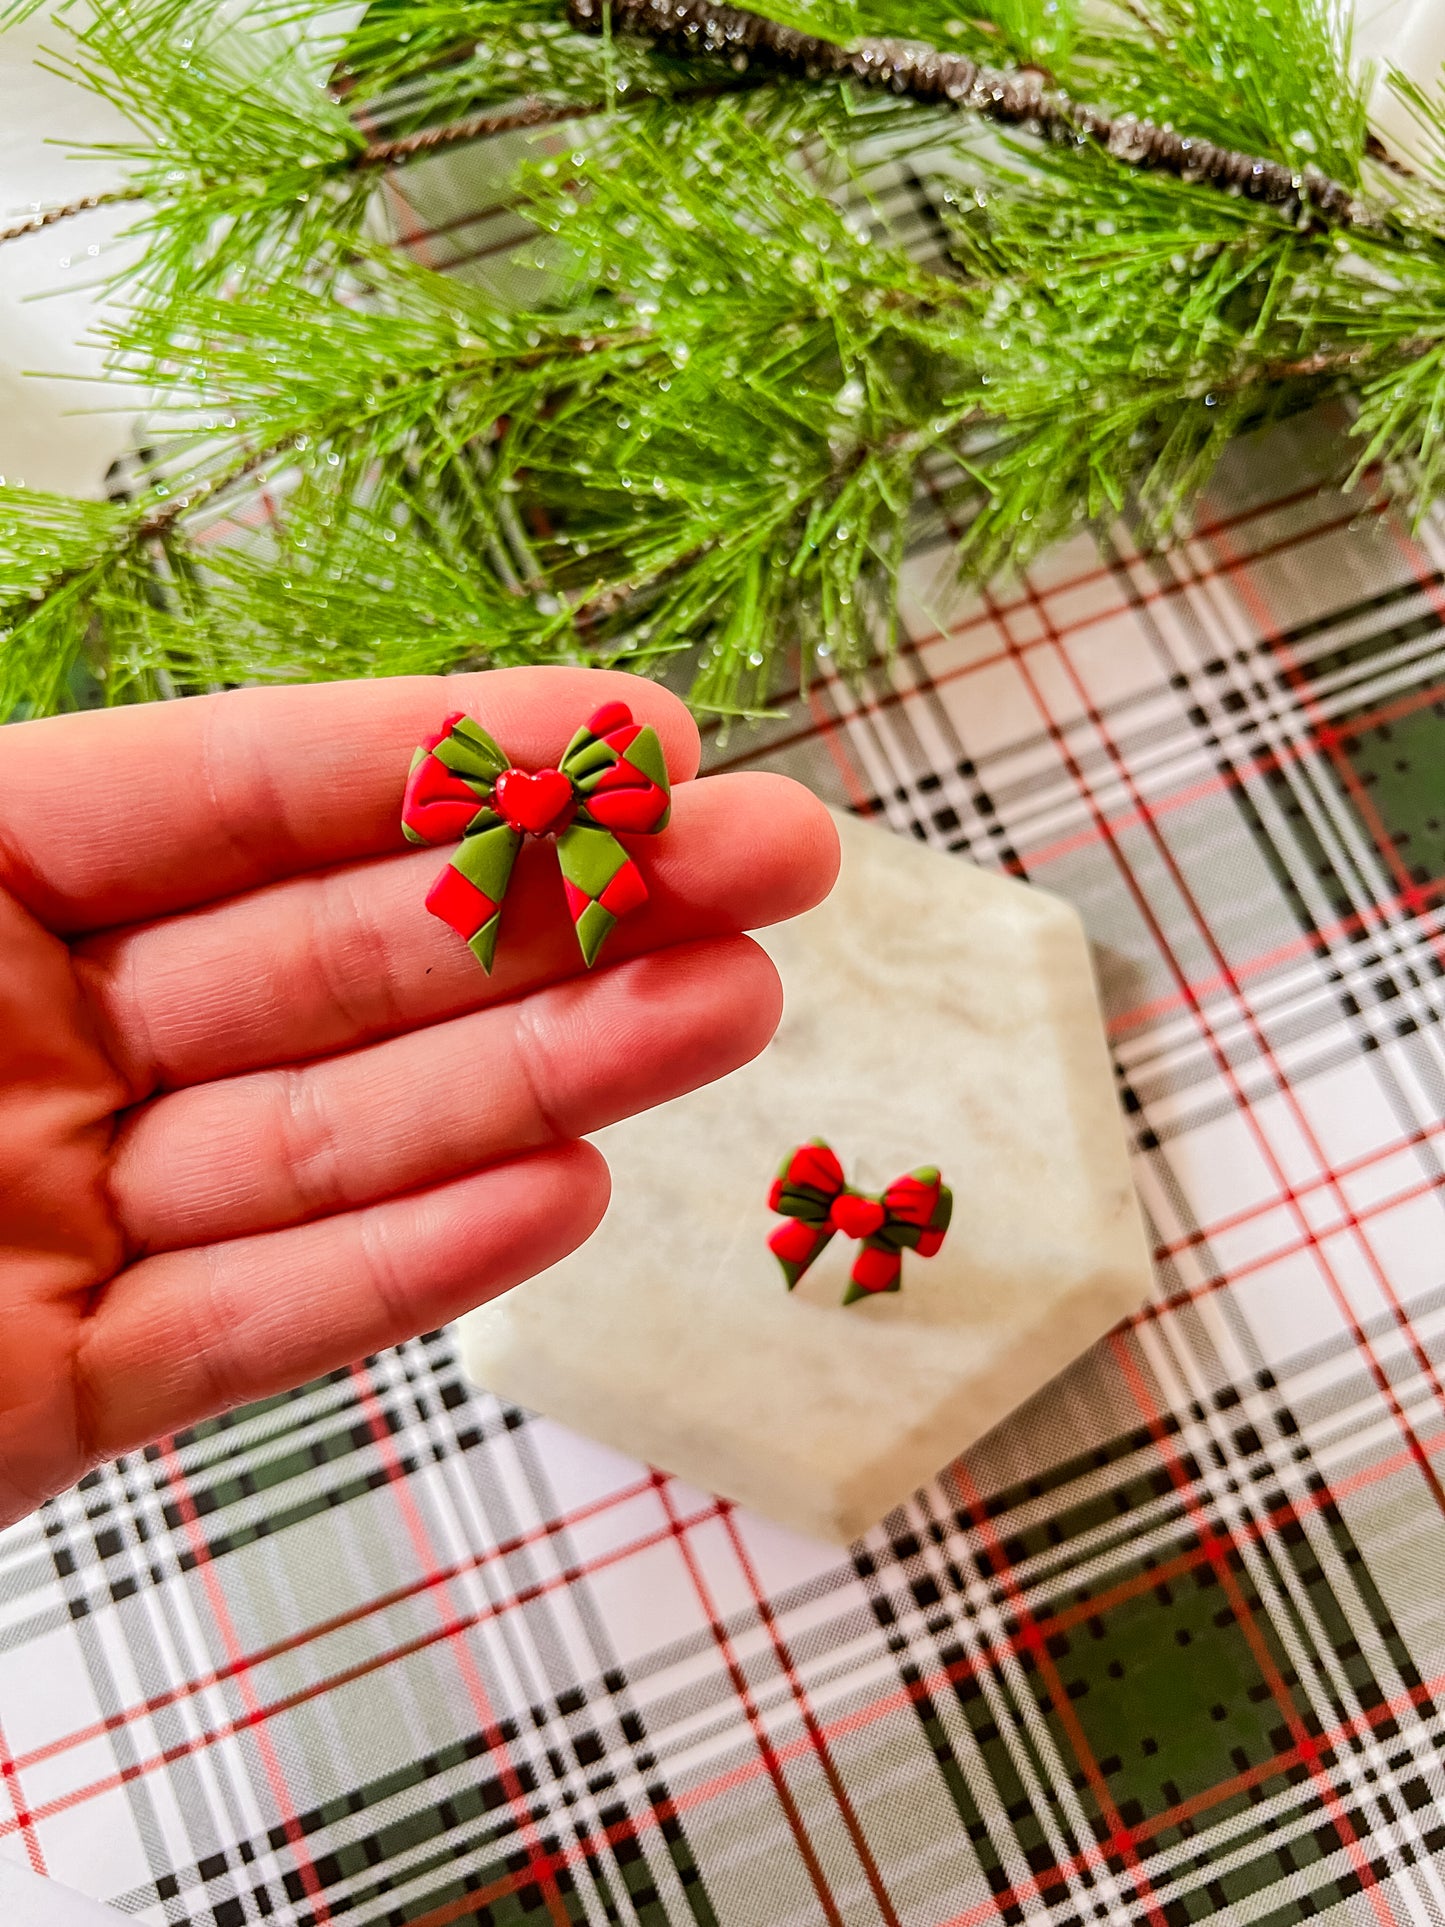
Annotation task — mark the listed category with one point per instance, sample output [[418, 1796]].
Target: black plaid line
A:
[[588, 1739], [920, 1604], [1242, 682], [113, 1501], [1253, 676], [917, 1586], [1240, 1464], [341, 1858], [467, 1836], [904, 210], [145, 1481], [1351, 1394], [1390, 962], [999, 810], [1268, 1463], [325, 1457], [950, 809]]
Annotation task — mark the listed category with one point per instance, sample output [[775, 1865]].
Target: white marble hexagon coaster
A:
[[935, 1014]]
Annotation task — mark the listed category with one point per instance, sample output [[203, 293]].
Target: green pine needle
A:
[[700, 407]]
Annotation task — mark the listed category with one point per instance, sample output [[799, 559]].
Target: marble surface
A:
[[935, 1013]]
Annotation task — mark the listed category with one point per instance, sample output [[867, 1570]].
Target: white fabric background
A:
[[52, 434]]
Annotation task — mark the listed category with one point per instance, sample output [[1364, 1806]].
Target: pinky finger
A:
[[186, 1334]]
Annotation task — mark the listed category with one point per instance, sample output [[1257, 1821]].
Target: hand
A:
[[261, 1114]]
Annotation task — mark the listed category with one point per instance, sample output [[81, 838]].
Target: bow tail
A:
[[468, 894], [795, 1244], [877, 1268], [602, 884]]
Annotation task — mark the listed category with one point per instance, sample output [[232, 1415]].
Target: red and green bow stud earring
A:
[[462, 784], [817, 1200]]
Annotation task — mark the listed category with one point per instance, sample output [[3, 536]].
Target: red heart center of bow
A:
[[534, 801], [856, 1217]]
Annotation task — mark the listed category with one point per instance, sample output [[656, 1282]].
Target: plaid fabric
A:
[[1167, 1646]]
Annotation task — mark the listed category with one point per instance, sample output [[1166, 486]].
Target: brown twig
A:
[[1014, 98], [380, 155], [477, 127], [1339, 361], [511, 120], [376, 156], [159, 523], [154, 526], [1018, 97], [47, 217]]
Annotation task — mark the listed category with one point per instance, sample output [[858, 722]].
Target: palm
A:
[[259, 1113]]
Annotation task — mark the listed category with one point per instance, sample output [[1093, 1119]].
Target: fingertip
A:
[[781, 847], [674, 1019], [588, 1177], [818, 847], [501, 1226], [567, 1187], [757, 992]]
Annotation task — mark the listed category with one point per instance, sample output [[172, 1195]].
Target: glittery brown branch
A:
[[385, 155], [47, 217], [457, 133], [1016, 98], [506, 120], [377, 156]]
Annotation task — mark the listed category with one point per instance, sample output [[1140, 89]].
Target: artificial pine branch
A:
[[707, 399]]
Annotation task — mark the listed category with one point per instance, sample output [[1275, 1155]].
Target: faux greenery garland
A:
[[704, 432]]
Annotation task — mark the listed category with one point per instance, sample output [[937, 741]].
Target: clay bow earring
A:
[[462, 784], [817, 1200]]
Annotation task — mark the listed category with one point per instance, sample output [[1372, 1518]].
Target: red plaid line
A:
[[996, 611], [257, 1714], [867, 1860], [773, 1758], [436, 1585], [1120, 1843], [1332, 739], [1255, 1776], [1296, 1110], [221, 1617], [322, 1629], [23, 1820], [1220, 1057], [767, 1752], [1306, 1748]]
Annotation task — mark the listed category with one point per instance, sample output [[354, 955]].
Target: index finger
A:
[[118, 815]]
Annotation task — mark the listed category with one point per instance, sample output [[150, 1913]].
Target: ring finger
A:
[[279, 1147]]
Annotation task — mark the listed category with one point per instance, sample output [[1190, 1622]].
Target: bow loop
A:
[[808, 1181], [816, 1200], [463, 785]]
